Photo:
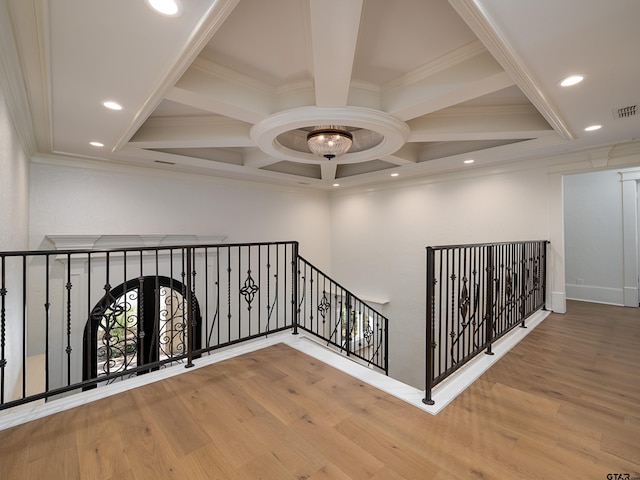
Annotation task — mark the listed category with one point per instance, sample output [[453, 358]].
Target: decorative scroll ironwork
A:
[[467, 311], [324, 306], [249, 289], [173, 323], [117, 333]]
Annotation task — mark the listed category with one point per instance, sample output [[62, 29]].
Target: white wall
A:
[[92, 201], [594, 237], [379, 238], [66, 200], [14, 224]]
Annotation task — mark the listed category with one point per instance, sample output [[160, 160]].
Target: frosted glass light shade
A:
[[330, 141]]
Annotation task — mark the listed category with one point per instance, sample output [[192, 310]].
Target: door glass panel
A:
[[173, 326], [117, 335]]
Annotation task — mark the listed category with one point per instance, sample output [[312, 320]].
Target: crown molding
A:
[[134, 162]]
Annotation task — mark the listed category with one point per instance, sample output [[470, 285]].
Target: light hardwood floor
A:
[[563, 404]]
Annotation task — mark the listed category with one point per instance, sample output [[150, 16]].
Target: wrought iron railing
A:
[[334, 314], [475, 295], [72, 320]]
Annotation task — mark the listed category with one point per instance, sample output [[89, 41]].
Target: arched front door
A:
[[137, 322]]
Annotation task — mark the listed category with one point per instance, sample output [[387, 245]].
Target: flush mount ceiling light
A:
[[329, 141], [170, 8], [96, 144], [593, 128], [571, 80]]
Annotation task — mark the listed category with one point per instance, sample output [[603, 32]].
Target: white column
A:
[[556, 293], [630, 236]]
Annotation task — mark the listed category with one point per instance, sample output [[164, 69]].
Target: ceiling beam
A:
[[476, 17], [256, 158], [480, 123], [414, 96], [192, 132], [328, 170], [213, 88], [334, 35], [214, 16], [407, 155]]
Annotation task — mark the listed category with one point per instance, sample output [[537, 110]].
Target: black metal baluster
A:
[[68, 350], [239, 287], [47, 320], [3, 326], [268, 287], [190, 312], [490, 298], [218, 318], [259, 286], [141, 314], [441, 331], [284, 286], [24, 326], [295, 287], [277, 277], [229, 293]]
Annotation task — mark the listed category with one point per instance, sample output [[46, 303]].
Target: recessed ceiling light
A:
[[112, 105], [395, 174], [96, 144], [170, 8], [336, 184], [571, 80], [593, 128], [469, 161]]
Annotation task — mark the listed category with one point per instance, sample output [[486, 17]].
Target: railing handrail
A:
[[75, 251], [488, 244]]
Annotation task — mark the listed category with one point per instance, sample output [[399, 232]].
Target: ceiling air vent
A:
[[625, 112]]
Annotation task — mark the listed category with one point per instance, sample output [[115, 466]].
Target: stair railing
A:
[[345, 322]]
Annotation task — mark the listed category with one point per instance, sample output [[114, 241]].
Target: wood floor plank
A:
[[564, 403], [350, 458]]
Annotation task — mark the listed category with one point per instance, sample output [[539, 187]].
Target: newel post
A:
[[430, 345]]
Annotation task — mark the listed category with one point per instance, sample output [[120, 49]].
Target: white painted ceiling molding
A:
[[394, 132], [89, 242], [213, 91], [490, 34]]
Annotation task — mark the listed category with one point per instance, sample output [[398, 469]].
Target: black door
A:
[[139, 322]]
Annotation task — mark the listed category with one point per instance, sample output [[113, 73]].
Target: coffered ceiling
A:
[[231, 87]]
